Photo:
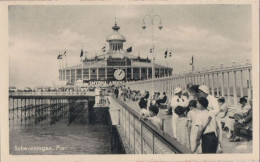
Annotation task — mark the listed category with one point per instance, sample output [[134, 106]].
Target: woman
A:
[[231, 120]]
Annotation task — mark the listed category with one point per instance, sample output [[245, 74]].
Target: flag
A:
[[59, 56], [170, 54], [165, 54], [65, 53], [81, 53], [104, 49], [129, 49], [191, 63]]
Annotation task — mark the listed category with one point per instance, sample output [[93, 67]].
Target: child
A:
[[191, 117], [181, 127]]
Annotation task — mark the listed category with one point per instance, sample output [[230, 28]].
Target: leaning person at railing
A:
[[153, 118], [177, 100], [208, 130], [181, 127], [143, 104]]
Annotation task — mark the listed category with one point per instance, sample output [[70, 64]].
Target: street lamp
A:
[[152, 17]]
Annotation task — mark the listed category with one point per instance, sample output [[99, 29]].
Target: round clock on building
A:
[[119, 74]]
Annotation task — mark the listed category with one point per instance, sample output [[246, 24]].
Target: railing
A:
[[52, 93], [223, 81], [143, 137]]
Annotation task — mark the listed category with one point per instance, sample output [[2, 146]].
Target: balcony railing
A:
[[230, 82], [74, 93]]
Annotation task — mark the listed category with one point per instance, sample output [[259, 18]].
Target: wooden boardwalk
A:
[[243, 146]]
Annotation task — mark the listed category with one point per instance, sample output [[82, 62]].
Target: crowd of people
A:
[[198, 118]]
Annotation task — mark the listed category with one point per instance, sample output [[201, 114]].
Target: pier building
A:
[[115, 64]]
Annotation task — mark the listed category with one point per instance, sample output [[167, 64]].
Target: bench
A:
[[163, 105], [247, 131]]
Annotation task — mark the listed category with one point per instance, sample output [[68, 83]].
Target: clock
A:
[[119, 74]]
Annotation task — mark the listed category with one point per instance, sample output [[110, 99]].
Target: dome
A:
[[116, 36]]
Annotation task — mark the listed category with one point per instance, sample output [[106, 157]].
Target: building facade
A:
[[116, 64]]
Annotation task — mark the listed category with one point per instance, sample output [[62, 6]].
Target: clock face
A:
[[119, 74]]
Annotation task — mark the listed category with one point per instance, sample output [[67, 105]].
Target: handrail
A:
[[51, 93], [168, 140]]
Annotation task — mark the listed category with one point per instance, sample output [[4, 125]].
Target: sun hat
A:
[[177, 90], [204, 89]]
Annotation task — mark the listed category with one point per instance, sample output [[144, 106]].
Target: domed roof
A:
[[116, 35]]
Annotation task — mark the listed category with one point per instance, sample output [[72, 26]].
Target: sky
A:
[[212, 34]]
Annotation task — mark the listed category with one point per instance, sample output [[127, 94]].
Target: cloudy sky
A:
[[213, 34]]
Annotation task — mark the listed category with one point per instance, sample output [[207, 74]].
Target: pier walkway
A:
[[243, 146]]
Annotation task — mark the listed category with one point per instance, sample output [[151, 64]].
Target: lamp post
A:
[[152, 17]]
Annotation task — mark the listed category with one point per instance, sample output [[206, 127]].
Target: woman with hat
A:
[[208, 131], [213, 103]]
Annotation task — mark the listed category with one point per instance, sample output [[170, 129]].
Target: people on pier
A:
[[182, 126], [162, 99], [222, 115], [192, 129], [177, 100], [207, 128], [116, 92], [193, 92], [213, 103], [153, 118], [143, 104], [230, 121], [241, 118]]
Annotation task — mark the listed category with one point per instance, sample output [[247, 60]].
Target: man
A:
[[124, 91], [116, 92], [162, 99], [213, 102], [242, 122]]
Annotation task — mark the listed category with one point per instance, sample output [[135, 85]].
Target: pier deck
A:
[[243, 146]]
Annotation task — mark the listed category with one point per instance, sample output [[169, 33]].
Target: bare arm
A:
[[199, 134]]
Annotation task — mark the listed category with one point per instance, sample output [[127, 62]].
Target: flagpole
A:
[[125, 68], [192, 64], [66, 61]]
